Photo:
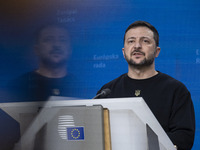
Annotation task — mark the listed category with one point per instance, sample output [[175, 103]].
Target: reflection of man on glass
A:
[[52, 48], [51, 78]]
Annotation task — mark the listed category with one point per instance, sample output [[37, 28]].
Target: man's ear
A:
[[123, 52], [157, 51], [36, 50]]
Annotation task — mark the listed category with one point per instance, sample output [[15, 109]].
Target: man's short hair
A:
[[144, 24], [53, 25]]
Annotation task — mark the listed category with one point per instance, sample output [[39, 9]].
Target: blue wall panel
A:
[[97, 28]]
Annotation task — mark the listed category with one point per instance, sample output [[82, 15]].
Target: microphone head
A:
[[105, 92]]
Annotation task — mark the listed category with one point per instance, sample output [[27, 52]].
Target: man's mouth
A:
[[56, 52], [136, 53]]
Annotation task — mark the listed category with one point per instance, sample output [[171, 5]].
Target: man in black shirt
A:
[[168, 99], [51, 78]]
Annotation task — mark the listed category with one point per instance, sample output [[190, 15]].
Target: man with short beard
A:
[[51, 78], [168, 98]]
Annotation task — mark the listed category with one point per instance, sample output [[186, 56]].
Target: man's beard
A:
[[144, 63], [52, 64]]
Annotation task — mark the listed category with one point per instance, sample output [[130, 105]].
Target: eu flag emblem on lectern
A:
[[75, 133]]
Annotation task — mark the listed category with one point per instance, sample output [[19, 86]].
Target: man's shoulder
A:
[[168, 78], [27, 74], [115, 81], [171, 81], [22, 77]]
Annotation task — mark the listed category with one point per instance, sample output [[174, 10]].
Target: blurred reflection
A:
[[51, 78]]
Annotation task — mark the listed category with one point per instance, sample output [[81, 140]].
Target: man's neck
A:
[[141, 73], [52, 72]]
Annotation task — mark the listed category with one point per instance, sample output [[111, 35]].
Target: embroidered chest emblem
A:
[[56, 92], [137, 92]]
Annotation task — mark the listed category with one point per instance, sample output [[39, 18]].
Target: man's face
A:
[[140, 48], [53, 46]]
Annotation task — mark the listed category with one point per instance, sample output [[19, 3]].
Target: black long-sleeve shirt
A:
[[168, 99]]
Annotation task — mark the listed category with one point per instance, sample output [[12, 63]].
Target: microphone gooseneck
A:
[[103, 93]]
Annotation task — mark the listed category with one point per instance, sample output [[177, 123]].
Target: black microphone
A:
[[103, 93]]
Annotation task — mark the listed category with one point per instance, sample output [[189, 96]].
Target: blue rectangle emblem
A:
[[75, 133]]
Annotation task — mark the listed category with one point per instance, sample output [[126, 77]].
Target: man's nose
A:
[[56, 43], [137, 44]]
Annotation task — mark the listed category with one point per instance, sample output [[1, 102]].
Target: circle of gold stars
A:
[[72, 133]]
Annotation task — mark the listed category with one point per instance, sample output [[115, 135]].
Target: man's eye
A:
[[146, 41], [63, 40], [130, 41], [48, 39]]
